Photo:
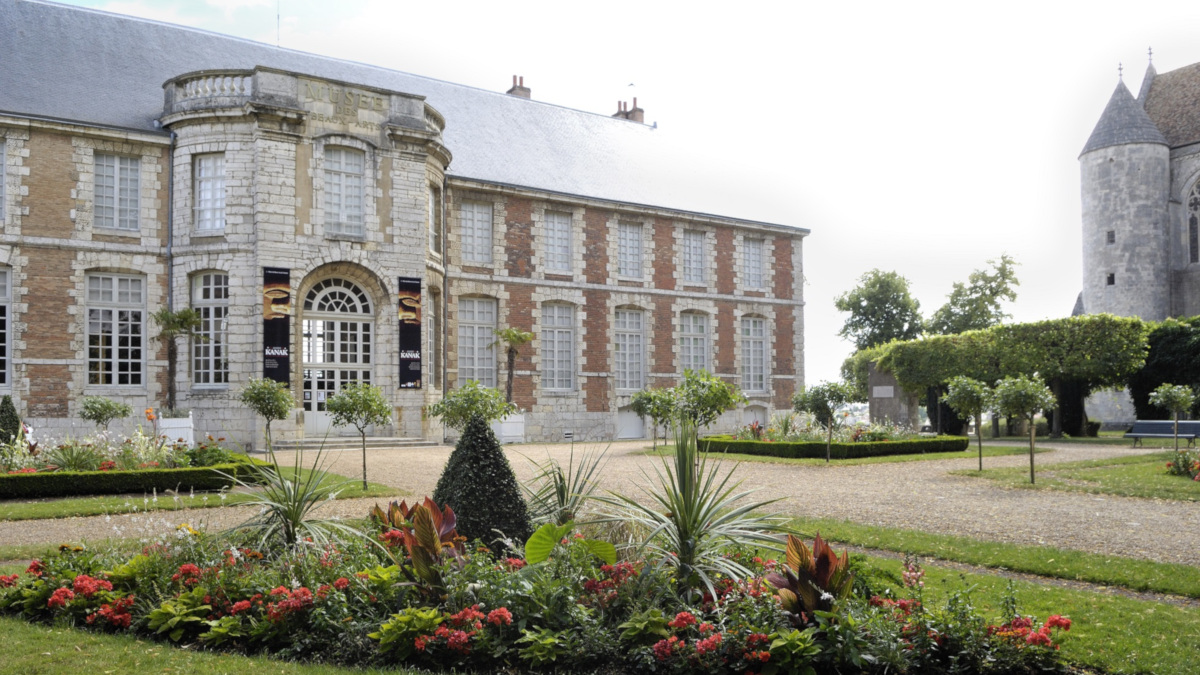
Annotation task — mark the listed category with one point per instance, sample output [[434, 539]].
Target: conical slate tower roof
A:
[[1123, 122], [1147, 82]]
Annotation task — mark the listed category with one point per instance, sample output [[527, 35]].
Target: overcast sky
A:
[[924, 138]]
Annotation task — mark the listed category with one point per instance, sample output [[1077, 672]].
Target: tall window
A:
[[693, 341], [754, 354], [3, 164], [435, 219], [344, 169], [476, 219], [693, 256], [558, 241], [476, 356], [1194, 225], [210, 193], [435, 335], [117, 183], [630, 349], [558, 347], [210, 351], [114, 329], [629, 250], [5, 300], [752, 263]]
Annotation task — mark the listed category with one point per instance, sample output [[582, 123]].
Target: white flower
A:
[[826, 597]]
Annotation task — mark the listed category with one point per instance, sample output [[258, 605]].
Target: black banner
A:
[[409, 296], [277, 313]]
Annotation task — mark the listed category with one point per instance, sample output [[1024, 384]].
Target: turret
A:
[[1125, 179]]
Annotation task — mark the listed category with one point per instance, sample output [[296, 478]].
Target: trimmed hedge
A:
[[816, 450], [69, 483]]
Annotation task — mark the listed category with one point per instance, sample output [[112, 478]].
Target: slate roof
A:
[[103, 69], [1174, 105], [1122, 122]]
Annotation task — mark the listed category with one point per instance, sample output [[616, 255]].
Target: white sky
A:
[[919, 137]]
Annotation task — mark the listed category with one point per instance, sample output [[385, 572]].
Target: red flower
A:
[[35, 568], [682, 620], [500, 616], [664, 649], [392, 538], [1058, 621], [1039, 638], [239, 607], [459, 641], [514, 564], [60, 598], [87, 586], [708, 644], [6, 581], [341, 584]]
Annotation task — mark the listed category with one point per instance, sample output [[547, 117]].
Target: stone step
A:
[[339, 443]]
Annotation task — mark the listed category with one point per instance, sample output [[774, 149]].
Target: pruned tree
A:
[[271, 400], [658, 405], [969, 398], [1023, 397], [822, 402], [359, 405], [1178, 399]]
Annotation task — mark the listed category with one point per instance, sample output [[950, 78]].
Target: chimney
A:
[[636, 114], [621, 112], [519, 89]]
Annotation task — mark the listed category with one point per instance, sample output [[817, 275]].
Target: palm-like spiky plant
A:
[[813, 580], [562, 492]]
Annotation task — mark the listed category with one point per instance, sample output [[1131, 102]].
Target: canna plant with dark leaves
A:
[[812, 580], [428, 535]]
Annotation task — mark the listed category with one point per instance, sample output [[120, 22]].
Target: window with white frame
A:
[[475, 219], [752, 263], [3, 194], [115, 331], [209, 196], [117, 187], [558, 241], [754, 354], [629, 250], [558, 347], [693, 341], [344, 169], [476, 333], [630, 349], [693, 256], [5, 323], [435, 219], [210, 350]]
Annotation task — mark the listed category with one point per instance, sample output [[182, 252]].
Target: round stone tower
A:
[[1125, 179]]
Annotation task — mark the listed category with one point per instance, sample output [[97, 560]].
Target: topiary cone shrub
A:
[[479, 484], [10, 422]]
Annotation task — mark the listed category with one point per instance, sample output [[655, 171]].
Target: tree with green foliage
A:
[[1023, 397], [969, 398], [512, 339], [1178, 399], [657, 404], [269, 399], [459, 405], [102, 411], [359, 405], [1174, 357], [701, 397], [172, 325], [479, 484], [856, 368], [881, 309], [10, 422], [822, 402], [976, 304]]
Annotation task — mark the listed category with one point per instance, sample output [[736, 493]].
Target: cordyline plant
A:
[[558, 494], [1177, 398], [428, 534], [512, 339], [812, 580]]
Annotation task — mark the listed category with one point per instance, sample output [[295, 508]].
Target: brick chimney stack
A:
[[519, 89], [621, 112], [634, 114]]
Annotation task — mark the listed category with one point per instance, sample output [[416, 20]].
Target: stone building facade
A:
[[334, 222]]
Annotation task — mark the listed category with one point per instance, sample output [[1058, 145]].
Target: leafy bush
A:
[[816, 449], [479, 484], [103, 411], [458, 406], [10, 422], [68, 483]]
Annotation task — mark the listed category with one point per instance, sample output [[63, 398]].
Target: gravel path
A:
[[913, 495]]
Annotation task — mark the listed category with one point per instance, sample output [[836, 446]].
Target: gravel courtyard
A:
[[913, 495]]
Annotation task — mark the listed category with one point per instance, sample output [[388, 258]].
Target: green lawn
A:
[[1136, 476], [111, 504], [1047, 561], [988, 451]]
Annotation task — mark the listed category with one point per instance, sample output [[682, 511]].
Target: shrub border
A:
[[816, 450], [74, 483]]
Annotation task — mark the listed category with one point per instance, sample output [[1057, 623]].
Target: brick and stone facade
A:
[[348, 182]]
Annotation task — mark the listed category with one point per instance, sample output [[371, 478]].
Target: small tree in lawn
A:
[[459, 405], [1023, 397], [700, 397], [10, 422], [657, 404], [969, 398], [182, 323], [823, 402], [1177, 398], [512, 339], [359, 405], [270, 399], [103, 411]]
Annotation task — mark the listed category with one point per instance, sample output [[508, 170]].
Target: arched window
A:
[[210, 351], [337, 296]]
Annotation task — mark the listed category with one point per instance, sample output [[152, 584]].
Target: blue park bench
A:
[[1188, 429]]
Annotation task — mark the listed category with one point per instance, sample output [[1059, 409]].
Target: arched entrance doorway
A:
[[337, 347]]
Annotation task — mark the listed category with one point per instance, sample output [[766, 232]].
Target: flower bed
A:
[[816, 449], [366, 603]]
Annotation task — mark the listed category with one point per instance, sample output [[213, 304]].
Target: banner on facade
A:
[[277, 314], [409, 294]]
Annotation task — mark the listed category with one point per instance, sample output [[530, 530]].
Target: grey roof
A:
[[106, 69], [1147, 82], [1123, 122], [1173, 102]]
